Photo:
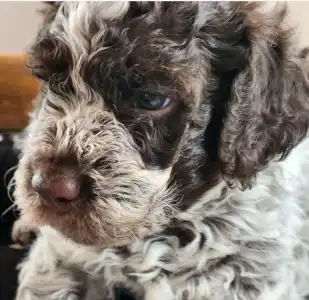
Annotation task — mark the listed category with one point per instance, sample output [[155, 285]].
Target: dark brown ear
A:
[[268, 112]]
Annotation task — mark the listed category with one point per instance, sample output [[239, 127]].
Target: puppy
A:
[[168, 154]]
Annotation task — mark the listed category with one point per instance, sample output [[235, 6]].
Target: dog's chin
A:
[[81, 226]]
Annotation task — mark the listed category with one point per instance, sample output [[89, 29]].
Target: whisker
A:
[[7, 173], [11, 207], [10, 188]]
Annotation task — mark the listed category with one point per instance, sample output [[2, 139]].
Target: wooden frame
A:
[[17, 90]]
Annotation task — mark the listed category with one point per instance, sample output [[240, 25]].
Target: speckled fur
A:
[[206, 201]]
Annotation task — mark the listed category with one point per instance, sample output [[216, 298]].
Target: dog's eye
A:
[[150, 101]]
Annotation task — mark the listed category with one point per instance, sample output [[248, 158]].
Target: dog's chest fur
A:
[[225, 246]]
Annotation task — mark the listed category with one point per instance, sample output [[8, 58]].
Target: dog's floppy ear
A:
[[268, 110]]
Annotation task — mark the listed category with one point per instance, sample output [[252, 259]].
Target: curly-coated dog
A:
[[167, 155]]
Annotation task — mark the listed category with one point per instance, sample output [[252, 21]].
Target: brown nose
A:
[[59, 189]]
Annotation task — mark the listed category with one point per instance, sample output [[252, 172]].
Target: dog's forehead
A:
[[81, 25], [109, 35], [89, 28], [84, 24]]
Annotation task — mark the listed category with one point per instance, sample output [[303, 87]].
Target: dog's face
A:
[[143, 108]]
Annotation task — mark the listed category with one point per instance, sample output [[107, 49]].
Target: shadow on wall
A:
[[19, 22], [299, 16]]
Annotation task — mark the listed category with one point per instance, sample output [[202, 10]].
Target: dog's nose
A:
[[63, 188]]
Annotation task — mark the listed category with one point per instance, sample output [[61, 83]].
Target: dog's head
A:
[[146, 106]]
